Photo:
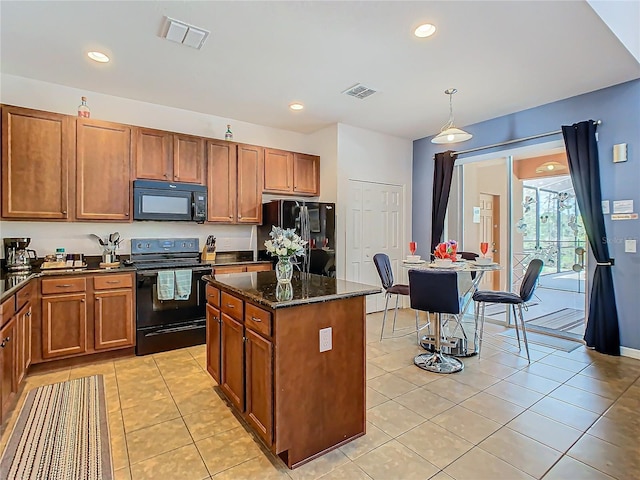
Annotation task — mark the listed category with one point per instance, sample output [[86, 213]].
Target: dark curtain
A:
[[602, 331], [442, 172]]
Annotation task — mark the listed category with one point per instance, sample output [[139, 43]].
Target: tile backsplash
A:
[[75, 237]]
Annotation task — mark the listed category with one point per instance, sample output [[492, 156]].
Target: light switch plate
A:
[[325, 339], [629, 246]]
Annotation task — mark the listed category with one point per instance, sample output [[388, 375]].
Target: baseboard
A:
[[630, 352]]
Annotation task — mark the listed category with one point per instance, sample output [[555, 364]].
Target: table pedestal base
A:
[[438, 363]]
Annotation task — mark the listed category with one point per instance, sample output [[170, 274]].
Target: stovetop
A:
[[157, 253]]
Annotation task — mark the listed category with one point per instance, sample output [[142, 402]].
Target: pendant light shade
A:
[[449, 132]]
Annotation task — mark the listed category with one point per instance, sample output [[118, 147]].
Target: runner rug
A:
[[62, 432]]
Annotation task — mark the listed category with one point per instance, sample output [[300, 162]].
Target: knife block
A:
[[208, 257]]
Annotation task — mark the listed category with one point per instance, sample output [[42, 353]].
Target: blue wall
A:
[[619, 109]]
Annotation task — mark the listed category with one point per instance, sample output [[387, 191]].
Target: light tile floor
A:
[[566, 416]]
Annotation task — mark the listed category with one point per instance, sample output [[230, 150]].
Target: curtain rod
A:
[[518, 140]]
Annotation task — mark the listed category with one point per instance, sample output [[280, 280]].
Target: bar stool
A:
[[529, 282], [435, 291], [383, 265]]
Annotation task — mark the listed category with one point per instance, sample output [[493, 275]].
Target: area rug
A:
[[545, 340], [562, 320], [62, 432]]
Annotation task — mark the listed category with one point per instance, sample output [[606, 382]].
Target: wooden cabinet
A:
[[169, 156], [255, 267], [64, 325], [278, 171], [23, 345], [234, 183], [114, 319], [291, 173], [8, 383], [103, 164], [232, 361], [213, 341], [259, 385], [306, 174], [37, 150]]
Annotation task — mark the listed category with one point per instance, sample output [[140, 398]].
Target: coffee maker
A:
[[16, 254]]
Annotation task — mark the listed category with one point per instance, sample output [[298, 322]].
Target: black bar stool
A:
[[529, 282], [383, 265], [435, 291]]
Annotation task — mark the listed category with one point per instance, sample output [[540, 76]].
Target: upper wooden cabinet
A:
[[169, 156], [103, 171], [234, 182], [37, 150], [291, 173]]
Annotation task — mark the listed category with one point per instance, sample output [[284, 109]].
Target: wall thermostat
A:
[[620, 153]]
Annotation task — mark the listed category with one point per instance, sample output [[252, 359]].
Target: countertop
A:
[[262, 288]]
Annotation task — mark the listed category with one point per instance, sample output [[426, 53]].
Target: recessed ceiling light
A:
[[425, 30], [296, 106], [98, 57]]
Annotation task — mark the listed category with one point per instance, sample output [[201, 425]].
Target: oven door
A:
[[152, 204], [152, 312]]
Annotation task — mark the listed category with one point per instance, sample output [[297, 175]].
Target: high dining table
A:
[[459, 346]]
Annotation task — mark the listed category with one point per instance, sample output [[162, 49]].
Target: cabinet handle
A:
[[97, 299], [239, 216], [2, 345], [255, 319], [166, 175], [64, 212], [113, 281], [231, 216], [66, 285], [28, 314], [7, 339], [126, 214], [230, 306], [82, 300]]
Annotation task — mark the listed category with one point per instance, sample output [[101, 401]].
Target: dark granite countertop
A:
[[262, 288]]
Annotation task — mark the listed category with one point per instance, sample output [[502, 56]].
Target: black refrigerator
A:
[[315, 222]]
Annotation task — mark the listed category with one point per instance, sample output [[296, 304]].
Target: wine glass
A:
[[412, 247], [484, 248]]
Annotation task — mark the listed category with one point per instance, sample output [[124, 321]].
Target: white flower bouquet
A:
[[285, 242]]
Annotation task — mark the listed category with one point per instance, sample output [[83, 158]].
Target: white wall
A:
[[74, 237], [371, 157]]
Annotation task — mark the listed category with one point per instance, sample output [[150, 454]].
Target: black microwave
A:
[[169, 201]]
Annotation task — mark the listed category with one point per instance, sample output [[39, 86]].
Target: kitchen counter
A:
[[262, 288]]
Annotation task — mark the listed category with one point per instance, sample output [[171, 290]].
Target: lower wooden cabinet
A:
[[8, 350], [252, 267], [114, 320], [232, 361], [213, 342], [64, 325], [259, 385], [23, 355]]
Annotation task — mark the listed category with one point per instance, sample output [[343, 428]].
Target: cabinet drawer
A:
[[229, 269], [62, 285], [25, 294], [7, 309], [257, 319], [105, 282], [213, 295], [260, 267], [232, 306]]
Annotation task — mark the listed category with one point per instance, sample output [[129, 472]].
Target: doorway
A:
[[375, 224]]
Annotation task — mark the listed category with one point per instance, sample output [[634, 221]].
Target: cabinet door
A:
[[232, 361], [213, 342], [188, 159], [23, 341], [250, 184], [153, 154], [278, 171], [259, 380], [103, 171], [114, 327], [221, 182], [8, 353], [37, 149], [64, 325], [306, 174]]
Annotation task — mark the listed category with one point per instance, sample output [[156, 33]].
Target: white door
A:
[[374, 225]]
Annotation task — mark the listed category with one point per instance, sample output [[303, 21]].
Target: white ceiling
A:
[[502, 56]]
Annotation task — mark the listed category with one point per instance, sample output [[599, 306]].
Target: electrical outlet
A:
[[630, 246], [325, 339]]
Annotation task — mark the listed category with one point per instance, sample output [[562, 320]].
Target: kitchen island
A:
[[290, 359]]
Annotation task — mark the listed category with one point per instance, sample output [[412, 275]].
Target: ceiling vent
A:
[[183, 33], [359, 91]]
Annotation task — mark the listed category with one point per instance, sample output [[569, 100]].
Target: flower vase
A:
[[284, 292], [284, 270]]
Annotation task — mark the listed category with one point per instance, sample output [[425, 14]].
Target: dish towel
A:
[[183, 284], [166, 284]]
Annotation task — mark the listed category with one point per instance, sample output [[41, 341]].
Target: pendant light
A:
[[449, 133]]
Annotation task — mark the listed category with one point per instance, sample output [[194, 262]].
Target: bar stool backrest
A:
[[434, 291], [468, 255], [383, 265], [530, 279]]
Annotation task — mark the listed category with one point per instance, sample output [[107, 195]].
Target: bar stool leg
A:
[[515, 319], [437, 362], [395, 314], [384, 316], [417, 327], [482, 307], [524, 333]]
